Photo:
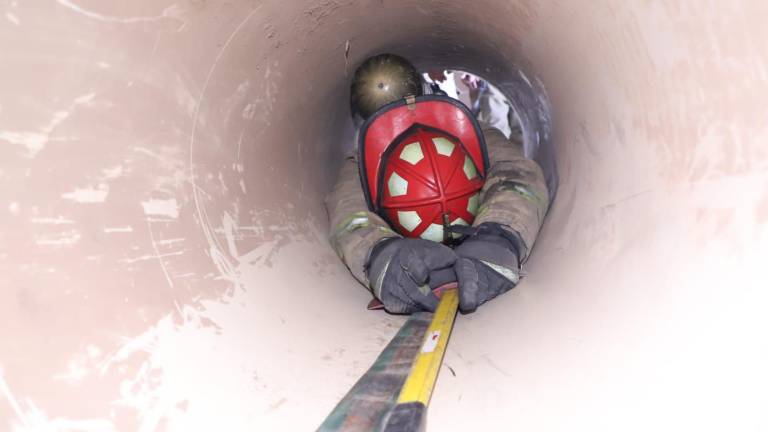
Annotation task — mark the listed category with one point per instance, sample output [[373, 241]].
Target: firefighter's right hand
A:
[[399, 269]]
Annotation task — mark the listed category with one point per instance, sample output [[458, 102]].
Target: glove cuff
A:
[[501, 235], [377, 263], [494, 253]]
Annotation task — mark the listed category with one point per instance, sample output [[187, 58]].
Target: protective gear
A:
[[488, 264], [430, 182], [383, 79], [399, 270], [422, 163], [515, 194]]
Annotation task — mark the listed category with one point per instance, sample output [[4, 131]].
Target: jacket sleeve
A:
[[515, 192], [354, 229]]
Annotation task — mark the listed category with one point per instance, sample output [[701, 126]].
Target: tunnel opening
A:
[[524, 94], [528, 108]]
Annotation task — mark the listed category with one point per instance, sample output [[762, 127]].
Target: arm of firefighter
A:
[[515, 192], [354, 229]]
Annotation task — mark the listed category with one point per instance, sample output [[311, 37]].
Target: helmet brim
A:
[[383, 128]]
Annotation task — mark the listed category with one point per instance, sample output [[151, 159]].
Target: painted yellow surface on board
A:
[[420, 383]]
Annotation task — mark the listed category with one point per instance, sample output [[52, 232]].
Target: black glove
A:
[[399, 273], [488, 264]]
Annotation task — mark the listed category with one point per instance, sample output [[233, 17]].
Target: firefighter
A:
[[430, 196]]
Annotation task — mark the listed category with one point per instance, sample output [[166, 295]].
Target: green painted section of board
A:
[[366, 405]]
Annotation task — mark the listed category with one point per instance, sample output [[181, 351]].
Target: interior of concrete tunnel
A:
[[163, 239]]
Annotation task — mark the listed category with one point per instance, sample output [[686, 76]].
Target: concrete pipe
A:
[[163, 242]]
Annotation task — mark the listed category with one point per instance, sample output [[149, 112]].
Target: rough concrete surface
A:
[[163, 257]]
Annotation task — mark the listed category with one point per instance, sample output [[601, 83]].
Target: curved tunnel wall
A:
[[163, 246]]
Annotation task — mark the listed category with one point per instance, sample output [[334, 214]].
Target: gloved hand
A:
[[488, 264], [399, 272]]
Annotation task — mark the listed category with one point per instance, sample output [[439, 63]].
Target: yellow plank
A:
[[419, 384]]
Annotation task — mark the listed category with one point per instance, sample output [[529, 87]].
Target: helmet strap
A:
[[410, 100]]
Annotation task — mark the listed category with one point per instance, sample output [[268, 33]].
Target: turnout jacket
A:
[[515, 194]]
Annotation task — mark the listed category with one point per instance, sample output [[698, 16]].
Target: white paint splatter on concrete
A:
[[93, 351], [230, 227], [81, 365], [32, 141], [113, 172], [125, 229], [62, 239], [167, 242], [249, 111], [13, 208], [173, 12], [59, 220], [85, 99], [6, 391], [30, 418], [158, 207], [75, 373], [35, 141], [150, 257], [160, 259], [146, 151], [88, 194]]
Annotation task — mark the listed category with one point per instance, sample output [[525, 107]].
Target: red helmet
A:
[[423, 163]]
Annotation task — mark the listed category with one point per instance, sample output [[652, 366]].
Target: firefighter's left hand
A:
[[487, 266]]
